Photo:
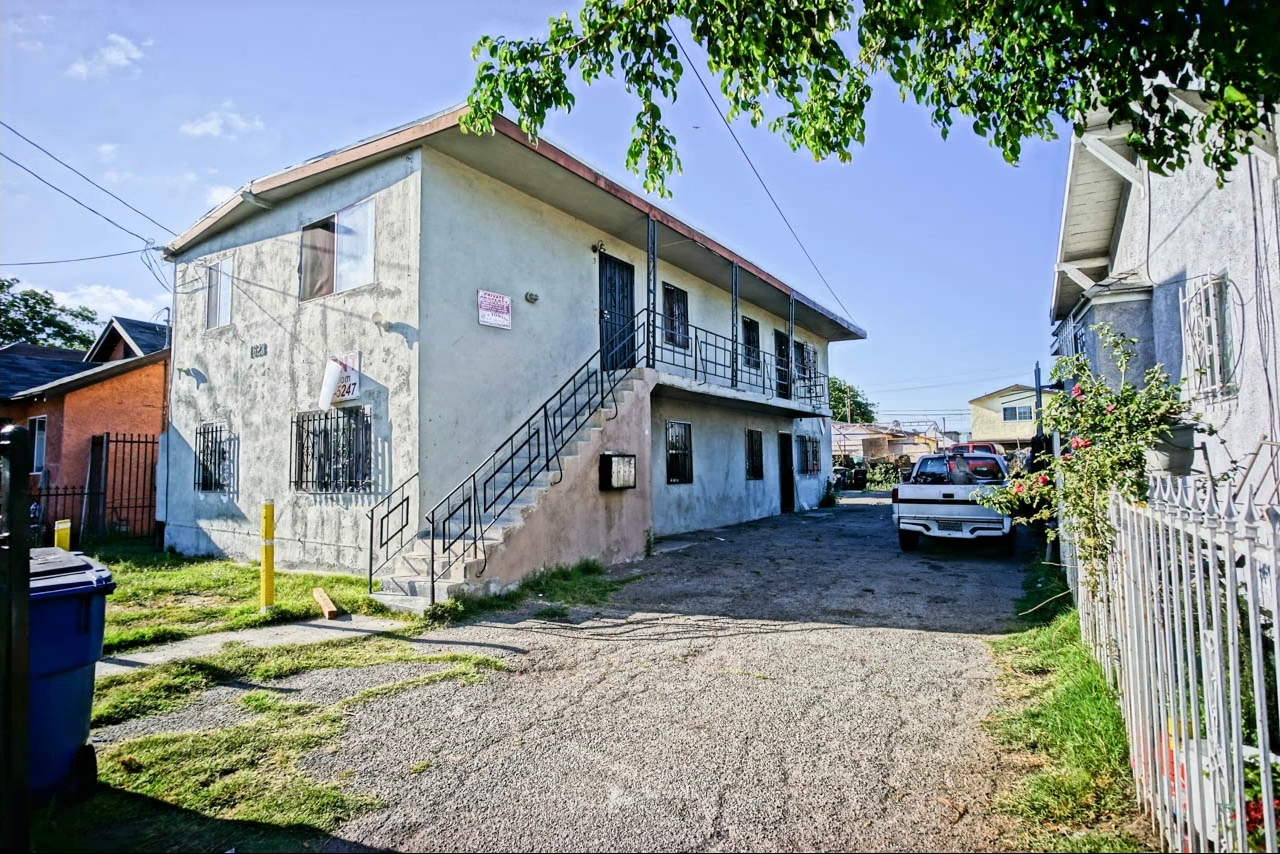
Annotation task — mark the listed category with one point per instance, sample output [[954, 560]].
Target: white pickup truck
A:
[[937, 500]]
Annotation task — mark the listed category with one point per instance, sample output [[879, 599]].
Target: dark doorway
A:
[[782, 358], [786, 473], [617, 314]]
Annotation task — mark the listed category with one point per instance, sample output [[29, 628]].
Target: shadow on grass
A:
[[116, 820]]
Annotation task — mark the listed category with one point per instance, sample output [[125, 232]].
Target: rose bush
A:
[[1108, 430]]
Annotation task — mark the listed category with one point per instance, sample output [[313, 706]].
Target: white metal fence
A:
[[1183, 621]]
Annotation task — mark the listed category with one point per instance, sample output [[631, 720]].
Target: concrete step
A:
[[416, 605], [414, 587]]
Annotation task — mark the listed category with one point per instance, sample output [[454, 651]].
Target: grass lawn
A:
[[162, 597]]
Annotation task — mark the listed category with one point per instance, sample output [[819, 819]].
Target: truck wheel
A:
[[909, 540]]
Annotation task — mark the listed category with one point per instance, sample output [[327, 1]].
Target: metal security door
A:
[[617, 314], [786, 473]]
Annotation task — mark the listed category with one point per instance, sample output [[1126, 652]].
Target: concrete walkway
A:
[[310, 631]]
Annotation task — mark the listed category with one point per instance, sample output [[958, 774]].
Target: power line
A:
[[67, 260], [86, 177], [759, 178], [74, 199]]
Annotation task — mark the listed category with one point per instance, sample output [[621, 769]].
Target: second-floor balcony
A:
[[787, 380]]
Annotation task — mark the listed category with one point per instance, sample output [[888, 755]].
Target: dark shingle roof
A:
[[42, 352], [149, 337], [19, 372]]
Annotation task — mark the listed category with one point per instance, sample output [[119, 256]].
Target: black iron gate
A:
[[117, 501]]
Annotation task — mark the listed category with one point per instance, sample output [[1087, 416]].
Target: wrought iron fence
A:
[[1183, 621]]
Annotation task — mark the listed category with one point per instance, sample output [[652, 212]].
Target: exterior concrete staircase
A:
[[453, 557]]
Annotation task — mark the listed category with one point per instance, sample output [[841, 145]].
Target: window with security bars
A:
[[808, 456], [675, 316], [806, 360], [213, 458], [751, 344], [333, 450], [755, 455], [679, 452], [1207, 338]]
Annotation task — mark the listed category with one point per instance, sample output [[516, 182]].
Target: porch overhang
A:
[[678, 387]]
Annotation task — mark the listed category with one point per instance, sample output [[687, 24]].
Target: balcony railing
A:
[[706, 356]]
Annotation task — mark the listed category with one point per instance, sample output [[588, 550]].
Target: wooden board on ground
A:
[[327, 607]]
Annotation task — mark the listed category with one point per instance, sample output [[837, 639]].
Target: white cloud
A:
[[114, 177], [117, 54], [106, 301], [107, 151], [225, 122], [33, 45], [217, 194], [29, 24]]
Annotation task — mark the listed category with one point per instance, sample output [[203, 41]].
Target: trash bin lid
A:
[[57, 572]]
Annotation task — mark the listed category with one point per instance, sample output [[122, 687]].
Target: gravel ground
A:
[[793, 683]]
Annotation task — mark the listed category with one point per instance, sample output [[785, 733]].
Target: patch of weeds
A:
[[1070, 717], [165, 687], [552, 612], [584, 583], [1045, 594], [648, 542], [162, 597], [237, 787], [419, 767]]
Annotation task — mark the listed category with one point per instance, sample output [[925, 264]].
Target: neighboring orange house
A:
[[119, 393]]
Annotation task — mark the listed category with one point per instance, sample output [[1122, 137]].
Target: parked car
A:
[[841, 477], [937, 500]]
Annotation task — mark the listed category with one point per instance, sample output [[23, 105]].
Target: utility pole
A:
[[1039, 401]]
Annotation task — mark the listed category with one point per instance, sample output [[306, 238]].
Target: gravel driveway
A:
[[793, 683]]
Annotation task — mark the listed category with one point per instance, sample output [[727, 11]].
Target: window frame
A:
[[755, 454], [1018, 413], [809, 455], [682, 474], [39, 442], [336, 253], [308, 475], [675, 316], [213, 476], [1209, 339], [751, 357], [220, 296]]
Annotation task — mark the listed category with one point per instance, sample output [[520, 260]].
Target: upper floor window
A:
[[337, 252], [1207, 337], [806, 360], [217, 307], [1017, 413], [36, 427], [751, 344], [675, 316]]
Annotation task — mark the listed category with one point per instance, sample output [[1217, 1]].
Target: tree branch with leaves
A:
[[1013, 68], [29, 316]]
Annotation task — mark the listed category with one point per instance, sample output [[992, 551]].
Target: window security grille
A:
[[675, 320], [333, 450], [213, 458], [679, 452], [750, 344], [1207, 338], [809, 457], [755, 455]]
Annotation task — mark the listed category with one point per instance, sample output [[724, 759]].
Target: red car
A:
[[976, 448]]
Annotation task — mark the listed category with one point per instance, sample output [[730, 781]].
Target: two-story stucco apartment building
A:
[[461, 358], [1192, 271]]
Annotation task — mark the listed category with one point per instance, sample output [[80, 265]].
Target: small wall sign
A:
[[495, 309], [617, 471], [341, 380], [257, 351]]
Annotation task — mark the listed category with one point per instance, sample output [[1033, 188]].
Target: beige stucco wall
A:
[[987, 417], [575, 519], [216, 379]]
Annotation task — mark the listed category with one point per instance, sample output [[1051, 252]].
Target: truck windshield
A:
[[959, 470]]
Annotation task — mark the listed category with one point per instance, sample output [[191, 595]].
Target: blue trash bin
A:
[[68, 611]]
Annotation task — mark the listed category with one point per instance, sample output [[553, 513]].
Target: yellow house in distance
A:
[[1006, 416]]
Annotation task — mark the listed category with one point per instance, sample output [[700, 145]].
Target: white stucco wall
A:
[[217, 380], [1198, 229], [720, 493]]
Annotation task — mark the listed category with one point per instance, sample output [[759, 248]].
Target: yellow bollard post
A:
[[268, 578], [62, 534]]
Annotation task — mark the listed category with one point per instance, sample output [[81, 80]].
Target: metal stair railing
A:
[[389, 519], [456, 526]]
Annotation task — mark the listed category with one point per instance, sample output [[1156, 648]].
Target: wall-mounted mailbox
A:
[[617, 471]]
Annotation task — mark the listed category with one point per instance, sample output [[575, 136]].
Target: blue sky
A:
[[941, 250]]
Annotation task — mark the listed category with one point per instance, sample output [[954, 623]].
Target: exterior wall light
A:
[[379, 321], [530, 296]]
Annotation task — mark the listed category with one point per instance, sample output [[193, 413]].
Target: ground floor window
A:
[[36, 427], [755, 455], [333, 450], [679, 452], [809, 454], [213, 458]]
